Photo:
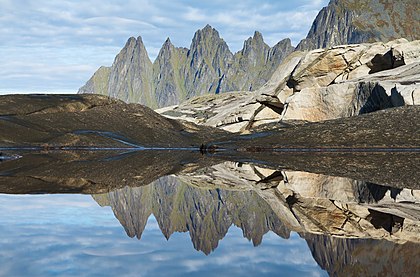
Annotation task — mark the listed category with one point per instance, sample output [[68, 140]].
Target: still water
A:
[[71, 235], [184, 214]]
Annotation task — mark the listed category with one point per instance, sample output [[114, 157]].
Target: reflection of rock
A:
[[364, 257], [206, 214], [93, 172], [318, 85], [208, 201], [315, 203], [343, 207]]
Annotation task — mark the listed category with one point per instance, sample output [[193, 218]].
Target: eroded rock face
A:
[[130, 74], [355, 21], [177, 74], [98, 82], [350, 80], [320, 85]]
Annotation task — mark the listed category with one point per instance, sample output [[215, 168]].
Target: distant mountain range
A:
[[180, 73], [208, 66]]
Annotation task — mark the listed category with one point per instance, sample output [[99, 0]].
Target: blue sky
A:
[[55, 46]]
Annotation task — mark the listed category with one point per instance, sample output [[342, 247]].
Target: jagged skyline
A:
[[179, 73], [55, 47]]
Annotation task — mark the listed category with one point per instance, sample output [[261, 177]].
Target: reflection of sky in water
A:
[[71, 235]]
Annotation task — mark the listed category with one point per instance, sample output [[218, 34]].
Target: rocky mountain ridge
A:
[[177, 74], [208, 66], [359, 21]]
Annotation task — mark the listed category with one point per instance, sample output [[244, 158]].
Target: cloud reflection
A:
[[69, 235]]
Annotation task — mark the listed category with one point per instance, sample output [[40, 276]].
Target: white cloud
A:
[[194, 14], [98, 29]]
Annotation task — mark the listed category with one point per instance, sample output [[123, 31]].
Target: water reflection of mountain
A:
[[206, 214], [364, 257], [207, 202]]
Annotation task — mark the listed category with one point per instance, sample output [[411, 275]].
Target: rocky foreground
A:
[[56, 121], [93, 144]]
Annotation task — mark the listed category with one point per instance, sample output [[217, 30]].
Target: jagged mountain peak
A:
[[167, 41], [167, 46], [132, 41], [207, 34], [208, 28], [258, 36], [255, 43], [284, 41], [180, 73], [139, 40]]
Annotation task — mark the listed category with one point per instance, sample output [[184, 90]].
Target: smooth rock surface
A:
[[319, 85]]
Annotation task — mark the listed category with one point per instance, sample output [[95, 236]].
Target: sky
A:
[[56, 46]]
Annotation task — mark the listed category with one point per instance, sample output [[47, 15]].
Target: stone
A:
[[319, 85], [98, 82]]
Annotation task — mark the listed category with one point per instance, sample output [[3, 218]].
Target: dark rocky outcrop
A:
[[91, 120], [355, 21], [177, 74]]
